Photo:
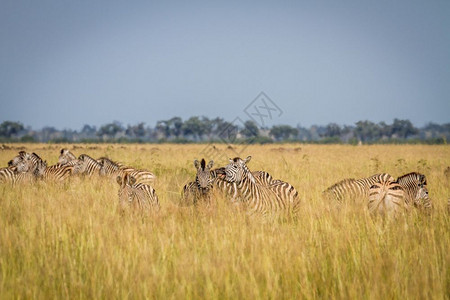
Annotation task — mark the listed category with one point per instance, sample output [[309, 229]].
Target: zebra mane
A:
[[37, 156], [203, 164], [108, 160], [420, 177], [83, 156], [247, 170]]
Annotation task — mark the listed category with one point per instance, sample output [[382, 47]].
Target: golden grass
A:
[[69, 240]]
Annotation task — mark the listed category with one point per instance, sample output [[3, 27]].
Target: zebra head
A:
[[415, 186], [17, 159], [65, 156], [125, 191], [40, 168], [204, 179], [107, 166], [237, 169]]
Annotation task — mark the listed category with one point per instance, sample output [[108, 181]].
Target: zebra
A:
[[110, 168], [20, 161], [35, 165], [416, 192], [66, 156], [88, 166], [258, 198], [387, 197], [12, 176], [137, 195], [17, 159], [355, 188], [208, 179], [55, 173], [25, 162], [199, 189]]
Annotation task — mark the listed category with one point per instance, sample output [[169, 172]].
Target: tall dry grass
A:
[[69, 240]]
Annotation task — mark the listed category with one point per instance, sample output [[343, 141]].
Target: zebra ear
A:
[[132, 180], [247, 159], [210, 164], [119, 180], [196, 164], [231, 161]]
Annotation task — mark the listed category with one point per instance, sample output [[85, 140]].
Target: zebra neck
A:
[[249, 175], [247, 180]]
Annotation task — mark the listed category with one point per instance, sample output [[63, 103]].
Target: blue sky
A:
[[70, 63]]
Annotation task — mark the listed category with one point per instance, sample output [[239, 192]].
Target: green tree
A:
[[332, 130], [403, 129], [110, 130], [9, 128], [283, 132], [250, 129], [194, 127], [367, 131]]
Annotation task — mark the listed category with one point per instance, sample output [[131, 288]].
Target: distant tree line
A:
[[202, 129]]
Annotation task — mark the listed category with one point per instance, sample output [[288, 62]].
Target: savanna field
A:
[[70, 241]]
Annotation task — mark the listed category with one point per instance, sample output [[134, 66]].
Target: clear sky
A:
[[69, 63]]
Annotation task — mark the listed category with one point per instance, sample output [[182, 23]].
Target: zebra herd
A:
[[255, 191]]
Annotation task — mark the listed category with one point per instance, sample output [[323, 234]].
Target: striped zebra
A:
[[17, 159], [136, 195], [54, 173], [112, 169], [208, 179], [259, 198], [12, 176], [227, 189], [199, 190], [415, 186], [24, 160], [355, 189], [88, 166], [66, 156], [387, 197], [38, 167]]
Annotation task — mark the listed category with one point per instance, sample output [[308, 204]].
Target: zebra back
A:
[[136, 195], [55, 173], [12, 176], [88, 165], [112, 169], [258, 198], [387, 198], [355, 188]]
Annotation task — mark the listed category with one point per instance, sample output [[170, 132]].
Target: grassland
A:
[[69, 240]]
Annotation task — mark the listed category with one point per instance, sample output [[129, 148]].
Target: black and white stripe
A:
[[88, 166], [66, 156], [355, 189], [112, 169], [200, 189], [136, 195], [416, 193], [259, 198], [12, 176], [387, 198]]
